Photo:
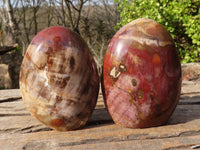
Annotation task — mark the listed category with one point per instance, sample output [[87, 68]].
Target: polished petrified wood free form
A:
[[141, 75], [58, 79]]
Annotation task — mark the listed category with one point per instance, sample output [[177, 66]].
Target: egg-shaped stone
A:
[[59, 82], [141, 75]]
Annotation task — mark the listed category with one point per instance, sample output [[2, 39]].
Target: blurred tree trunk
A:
[[35, 19], [59, 12], [12, 22], [36, 4], [50, 11]]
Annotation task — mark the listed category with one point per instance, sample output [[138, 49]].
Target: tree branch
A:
[[72, 5], [69, 13]]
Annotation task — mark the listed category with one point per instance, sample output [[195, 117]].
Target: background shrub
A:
[[180, 17]]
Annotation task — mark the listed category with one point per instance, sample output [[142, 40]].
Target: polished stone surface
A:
[[141, 75], [58, 79]]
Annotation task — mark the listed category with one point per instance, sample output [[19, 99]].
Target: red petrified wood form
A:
[[141, 75], [59, 80]]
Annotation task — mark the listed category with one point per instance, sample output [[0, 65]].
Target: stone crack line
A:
[[32, 129], [128, 138], [9, 115], [10, 99]]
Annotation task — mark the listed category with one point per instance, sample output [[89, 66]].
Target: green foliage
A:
[[17, 49], [2, 88], [180, 17]]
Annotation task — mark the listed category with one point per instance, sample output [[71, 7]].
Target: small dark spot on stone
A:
[[58, 99], [140, 93], [61, 70], [49, 50], [134, 82], [72, 63], [86, 88], [64, 82], [52, 79], [49, 62], [70, 102], [153, 98]]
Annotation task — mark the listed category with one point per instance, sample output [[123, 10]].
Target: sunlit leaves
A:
[[180, 17]]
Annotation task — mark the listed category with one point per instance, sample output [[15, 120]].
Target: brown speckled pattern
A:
[[59, 80]]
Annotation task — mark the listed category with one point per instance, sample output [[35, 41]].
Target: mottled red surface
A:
[[141, 75], [59, 80]]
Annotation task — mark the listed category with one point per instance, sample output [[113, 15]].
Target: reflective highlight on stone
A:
[[141, 75], [59, 80]]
